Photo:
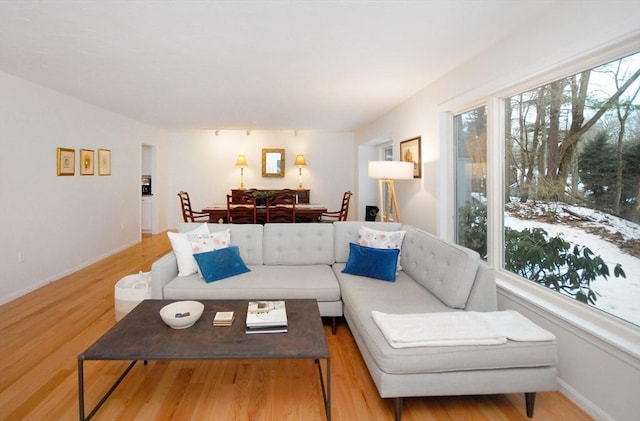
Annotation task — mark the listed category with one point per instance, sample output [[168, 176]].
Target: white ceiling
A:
[[323, 65]]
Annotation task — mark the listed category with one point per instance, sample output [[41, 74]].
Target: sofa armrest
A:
[[483, 295], [163, 270]]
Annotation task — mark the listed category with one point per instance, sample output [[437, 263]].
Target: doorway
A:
[[149, 200]]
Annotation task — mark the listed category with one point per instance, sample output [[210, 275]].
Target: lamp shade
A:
[[241, 161], [391, 170], [300, 162]]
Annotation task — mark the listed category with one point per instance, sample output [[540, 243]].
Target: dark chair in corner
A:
[[187, 213], [281, 207], [339, 215], [241, 210]]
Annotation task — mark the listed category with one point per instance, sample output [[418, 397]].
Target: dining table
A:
[[304, 212]]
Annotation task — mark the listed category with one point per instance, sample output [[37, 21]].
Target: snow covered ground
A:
[[617, 296]]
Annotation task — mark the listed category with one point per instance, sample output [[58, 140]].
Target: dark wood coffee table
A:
[[142, 335]]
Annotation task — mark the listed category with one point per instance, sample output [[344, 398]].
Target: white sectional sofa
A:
[[288, 261]]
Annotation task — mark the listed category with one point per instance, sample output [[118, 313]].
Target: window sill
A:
[[592, 325]]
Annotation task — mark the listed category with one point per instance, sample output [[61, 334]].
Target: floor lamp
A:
[[386, 172]]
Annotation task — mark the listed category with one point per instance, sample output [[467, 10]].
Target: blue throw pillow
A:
[[372, 262], [221, 263]]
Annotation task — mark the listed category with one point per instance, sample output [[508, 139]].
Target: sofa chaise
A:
[[309, 260], [437, 277]]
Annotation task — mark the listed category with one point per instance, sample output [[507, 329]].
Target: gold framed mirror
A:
[[273, 162]]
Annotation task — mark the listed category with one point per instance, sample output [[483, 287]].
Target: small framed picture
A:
[[86, 162], [66, 161], [410, 152], [104, 162]]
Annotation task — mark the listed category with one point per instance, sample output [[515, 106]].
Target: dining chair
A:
[[188, 215], [281, 207], [241, 209], [339, 215]]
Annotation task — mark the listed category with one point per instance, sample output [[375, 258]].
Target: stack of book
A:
[[266, 317], [223, 318]]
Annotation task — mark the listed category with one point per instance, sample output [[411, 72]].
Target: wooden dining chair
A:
[[339, 215], [241, 209], [187, 213], [281, 207]]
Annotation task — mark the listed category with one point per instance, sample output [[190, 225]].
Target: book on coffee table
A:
[[223, 318], [274, 329], [266, 317]]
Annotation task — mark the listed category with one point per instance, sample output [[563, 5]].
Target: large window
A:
[[572, 183], [571, 193]]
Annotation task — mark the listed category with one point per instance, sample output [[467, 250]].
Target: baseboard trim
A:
[[585, 404], [17, 294]]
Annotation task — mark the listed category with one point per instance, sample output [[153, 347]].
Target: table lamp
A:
[[241, 162], [386, 172], [300, 162]]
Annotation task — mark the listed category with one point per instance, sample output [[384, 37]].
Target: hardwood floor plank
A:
[[43, 332]]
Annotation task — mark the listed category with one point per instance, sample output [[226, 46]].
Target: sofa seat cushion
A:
[[262, 283], [361, 295]]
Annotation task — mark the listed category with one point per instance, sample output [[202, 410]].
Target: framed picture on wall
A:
[[104, 162], [66, 161], [273, 163], [86, 162], [410, 152]]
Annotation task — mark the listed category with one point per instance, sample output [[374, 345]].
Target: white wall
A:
[[416, 117], [594, 373], [204, 165], [51, 226]]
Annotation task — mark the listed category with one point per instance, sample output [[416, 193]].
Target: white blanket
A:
[[457, 328]]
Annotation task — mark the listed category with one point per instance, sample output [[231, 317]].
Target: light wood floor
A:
[[42, 333]]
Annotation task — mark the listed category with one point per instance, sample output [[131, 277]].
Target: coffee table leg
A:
[[326, 389], [104, 398], [81, 388]]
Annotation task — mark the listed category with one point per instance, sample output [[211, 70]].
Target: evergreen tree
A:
[[597, 170]]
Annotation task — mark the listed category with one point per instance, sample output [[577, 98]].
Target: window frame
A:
[[591, 324]]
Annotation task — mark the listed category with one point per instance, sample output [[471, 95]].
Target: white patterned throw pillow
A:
[[201, 243], [381, 239]]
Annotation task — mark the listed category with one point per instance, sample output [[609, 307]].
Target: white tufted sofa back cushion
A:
[[298, 244], [247, 237], [445, 269]]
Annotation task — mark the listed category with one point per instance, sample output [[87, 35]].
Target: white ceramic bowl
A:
[[181, 314]]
